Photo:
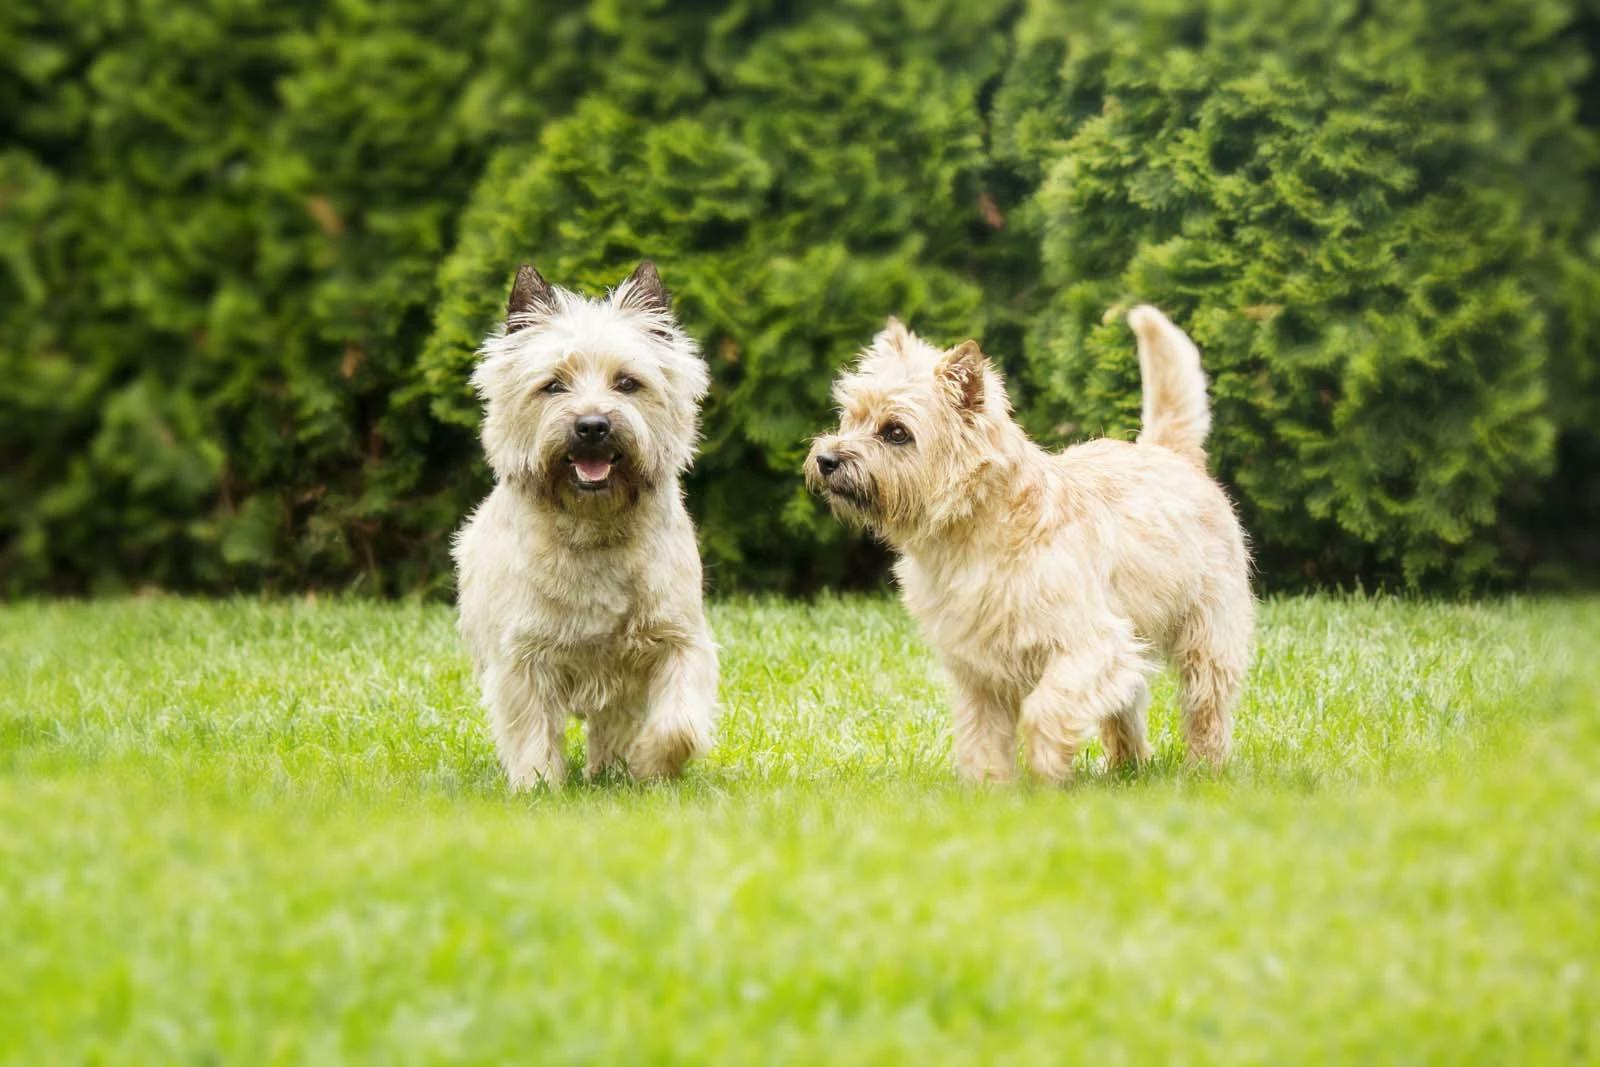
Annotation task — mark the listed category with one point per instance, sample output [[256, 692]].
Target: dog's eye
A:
[[895, 434], [626, 384], [554, 386]]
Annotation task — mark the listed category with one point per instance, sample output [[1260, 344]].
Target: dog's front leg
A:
[[1078, 691], [610, 731], [1125, 735], [679, 710], [985, 733], [529, 728]]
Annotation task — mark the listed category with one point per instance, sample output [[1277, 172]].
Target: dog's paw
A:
[[1048, 757], [1051, 763], [978, 772], [1121, 751], [531, 780], [664, 745]]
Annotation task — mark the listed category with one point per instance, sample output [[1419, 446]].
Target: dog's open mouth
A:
[[592, 473]]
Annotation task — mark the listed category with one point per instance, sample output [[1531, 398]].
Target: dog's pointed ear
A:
[[643, 289], [531, 296], [894, 335], [962, 373]]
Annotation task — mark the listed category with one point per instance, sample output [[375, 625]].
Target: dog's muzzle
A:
[[592, 453], [830, 473]]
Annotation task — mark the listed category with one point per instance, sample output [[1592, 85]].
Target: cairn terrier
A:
[[579, 579], [1047, 582]]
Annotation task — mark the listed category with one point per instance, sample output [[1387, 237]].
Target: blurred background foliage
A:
[[247, 249]]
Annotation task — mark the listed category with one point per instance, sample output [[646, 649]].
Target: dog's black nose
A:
[[592, 429], [827, 462]]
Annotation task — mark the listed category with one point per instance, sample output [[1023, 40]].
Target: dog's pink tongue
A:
[[592, 470]]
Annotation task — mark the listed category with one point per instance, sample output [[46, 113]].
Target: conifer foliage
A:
[[247, 249], [1372, 217]]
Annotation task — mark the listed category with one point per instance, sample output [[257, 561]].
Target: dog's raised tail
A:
[[1176, 412]]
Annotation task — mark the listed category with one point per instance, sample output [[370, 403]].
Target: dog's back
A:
[[1165, 529]]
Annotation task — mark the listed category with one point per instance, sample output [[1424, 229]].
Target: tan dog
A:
[[1047, 581], [579, 578]]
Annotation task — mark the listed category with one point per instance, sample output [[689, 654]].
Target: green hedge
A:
[[222, 271], [822, 174], [1372, 217], [248, 247]]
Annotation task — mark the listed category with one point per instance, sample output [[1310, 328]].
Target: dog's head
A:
[[917, 425], [590, 403]]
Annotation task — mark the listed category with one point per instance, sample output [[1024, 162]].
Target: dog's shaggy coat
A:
[[579, 579], [1048, 582]]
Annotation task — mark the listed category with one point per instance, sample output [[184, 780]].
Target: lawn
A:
[[252, 832]]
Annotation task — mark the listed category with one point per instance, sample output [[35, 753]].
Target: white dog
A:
[[579, 579], [1048, 581]]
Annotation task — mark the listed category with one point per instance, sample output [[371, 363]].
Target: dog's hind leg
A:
[[679, 712], [1212, 653], [1080, 689], [1124, 734]]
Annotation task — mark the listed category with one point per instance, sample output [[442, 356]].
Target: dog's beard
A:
[[854, 500], [886, 510], [589, 486]]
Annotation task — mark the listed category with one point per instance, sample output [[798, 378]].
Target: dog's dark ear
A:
[[962, 374], [531, 295], [643, 289]]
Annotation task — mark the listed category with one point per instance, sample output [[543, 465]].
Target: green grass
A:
[[252, 832]]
